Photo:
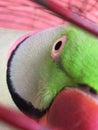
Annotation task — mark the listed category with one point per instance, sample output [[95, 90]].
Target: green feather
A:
[[78, 64], [52, 79], [80, 57]]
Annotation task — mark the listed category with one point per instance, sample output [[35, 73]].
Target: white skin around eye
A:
[[57, 47]]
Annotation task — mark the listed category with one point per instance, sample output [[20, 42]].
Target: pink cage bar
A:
[[29, 15]]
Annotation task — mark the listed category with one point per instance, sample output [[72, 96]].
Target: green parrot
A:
[[45, 63]]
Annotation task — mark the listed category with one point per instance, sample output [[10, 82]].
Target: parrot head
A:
[[44, 64]]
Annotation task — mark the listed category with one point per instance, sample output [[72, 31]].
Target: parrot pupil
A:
[[58, 45]]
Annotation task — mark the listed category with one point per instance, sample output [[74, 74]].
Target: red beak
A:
[[72, 109]]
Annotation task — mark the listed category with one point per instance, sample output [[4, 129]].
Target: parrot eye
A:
[[57, 47]]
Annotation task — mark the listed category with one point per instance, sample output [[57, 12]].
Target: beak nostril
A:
[[83, 85], [92, 90], [58, 45], [87, 88]]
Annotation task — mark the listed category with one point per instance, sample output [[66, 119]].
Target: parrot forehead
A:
[[26, 59]]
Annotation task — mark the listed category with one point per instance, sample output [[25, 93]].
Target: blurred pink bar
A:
[[20, 120], [26, 15]]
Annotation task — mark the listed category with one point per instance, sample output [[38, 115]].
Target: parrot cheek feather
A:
[[26, 106]]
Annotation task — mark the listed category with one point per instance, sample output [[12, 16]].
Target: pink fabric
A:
[[26, 15]]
